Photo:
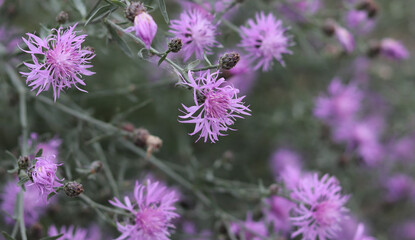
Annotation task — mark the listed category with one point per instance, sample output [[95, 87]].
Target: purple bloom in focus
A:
[[216, 106], [252, 230], [72, 233], [197, 32], [393, 49], [44, 175], [153, 210], [359, 21], [399, 187], [145, 28], [264, 39], [321, 209], [341, 103], [32, 207], [345, 38], [278, 213], [62, 61], [286, 166]]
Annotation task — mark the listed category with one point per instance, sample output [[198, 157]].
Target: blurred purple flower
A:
[[242, 76], [277, 212], [153, 211], [405, 231], [403, 148], [399, 187], [286, 166], [264, 39], [33, 208], [341, 103], [196, 31], [216, 106], [359, 21], [44, 175], [251, 229], [145, 28], [62, 64], [49, 148], [345, 38], [321, 207], [393, 49], [207, 7], [72, 233], [190, 229], [9, 38], [299, 10]]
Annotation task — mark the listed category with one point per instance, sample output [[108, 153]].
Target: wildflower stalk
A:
[[106, 169], [23, 122], [94, 204], [206, 68]]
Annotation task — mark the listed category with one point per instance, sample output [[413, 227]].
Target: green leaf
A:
[[121, 43], [162, 59], [143, 53], [80, 6], [7, 236], [162, 6], [52, 238], [39, 153], [51, 195], [118, 3], [14, 170], [99, 12], [23, 179]]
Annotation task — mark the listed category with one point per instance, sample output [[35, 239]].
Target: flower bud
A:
[[62, 17], [145, 28], [134, 9], [73, 189], [229, 60], [23, 162], [370, 6], [329, 27], [374, 49], [273, 189], [175, 45], [95, 167], [140, 137]]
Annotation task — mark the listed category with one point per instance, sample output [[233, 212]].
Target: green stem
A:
[[106, 168], [94, 204], [205, 68]]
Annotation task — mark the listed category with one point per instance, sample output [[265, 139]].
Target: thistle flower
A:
[[264, 39], [9, 38], [251, 229], [44, 175], [286, 166], [62, 64], [197, 32], [32, 207], [321, 209], [393, 49], [345, 38], [72, 233], [277, 212], [341, 103], [299, 10], [49, 148], [144, 26], [399, 187], [359, 22], [153, 211], [216, 106]]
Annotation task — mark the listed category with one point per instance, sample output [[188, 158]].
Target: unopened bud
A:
[[329, 27], [140, 137], [229, 60], [95, 167], [62, 17], [129, 127], [374, 49], [273, 189], [175, 45], [134, 9], [370, 6], [36, 231], [23, 162], [73, 189]]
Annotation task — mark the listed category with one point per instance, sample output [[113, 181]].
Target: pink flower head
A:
[[399, 187], [32, 207], [62, 62], [49, 148], [321, 207], [72, 233], [299, 10], [251, 229], [153, 211], [359, 21], [197, 32], [345, 38], [277, 212], [9, 38], [393, 49], [145, 28], [216, 106], [44, 175], [265, 40], [286, 166], [341, 103]]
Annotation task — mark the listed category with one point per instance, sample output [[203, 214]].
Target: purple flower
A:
[[145, 28], [44, 175], [399, 187], [242, 76], [360, 233], [393, 49], [62, 62], [49, 148], [197, 32], [32, 207], [265, 40], [216, 106], [403, 149], [72, 233], [207, 7], [153, 211], [405, 231], [190, 229], [9, 38], [277, 212], [345, 38], [286, 166], [321, 209], [359, 21], [251, 229], [299, 10], [341, 103]]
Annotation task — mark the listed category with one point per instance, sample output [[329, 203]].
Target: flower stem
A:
[[205, 68]]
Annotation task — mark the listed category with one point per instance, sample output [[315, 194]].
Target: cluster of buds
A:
[[144, 25], [370, 6], [142, 138]]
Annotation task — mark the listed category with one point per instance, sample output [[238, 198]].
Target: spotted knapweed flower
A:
[[197, 32], [58, 61], [277, 211], [144, 26], [250, 229], [299, 10], [359, 21], [286, 167], [152, 213], [216, 106], [49, 148], [393, 49], [341, 103], [321, 208], [264, 39], [32, 207], [399, 187], [44, 175], [9, 38], [75, 233]]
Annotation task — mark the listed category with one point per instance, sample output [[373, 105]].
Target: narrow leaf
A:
[[51, 195], [99, 12], [7, 236], [162, 59], [118, 3], [143, 53], [52, 238], [121, 43], [39, 153], [11, 155], [193, 64], [162, 6], [80, 6]]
